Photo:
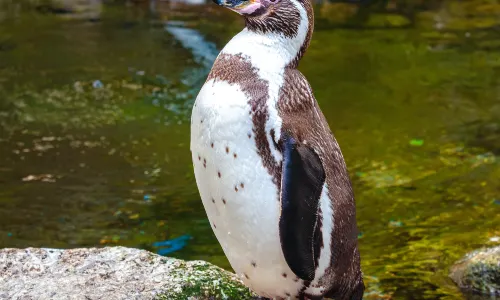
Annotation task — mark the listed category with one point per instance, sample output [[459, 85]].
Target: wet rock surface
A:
[[479, 272], [111, 273]]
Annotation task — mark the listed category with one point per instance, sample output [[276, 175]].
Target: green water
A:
[[94, 134]]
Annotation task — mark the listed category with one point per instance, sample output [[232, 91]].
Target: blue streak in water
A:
[[172, 245]]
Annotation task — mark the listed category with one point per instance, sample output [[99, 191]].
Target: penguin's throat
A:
[[281, 34]]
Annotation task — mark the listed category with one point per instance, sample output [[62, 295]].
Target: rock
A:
[[72, 9], [111, 273], [380, 20], [337, 13], [479, 272], [468, 16]]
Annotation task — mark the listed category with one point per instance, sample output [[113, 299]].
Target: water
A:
[[94, 134]]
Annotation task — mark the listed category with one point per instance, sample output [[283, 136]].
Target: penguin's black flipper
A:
[[302, 181]]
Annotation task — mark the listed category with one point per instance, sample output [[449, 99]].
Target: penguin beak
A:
[[243, 7]]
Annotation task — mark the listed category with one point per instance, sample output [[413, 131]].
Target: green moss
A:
[[204, 281]]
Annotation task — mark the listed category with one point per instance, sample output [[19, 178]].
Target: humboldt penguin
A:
[[270, 173]]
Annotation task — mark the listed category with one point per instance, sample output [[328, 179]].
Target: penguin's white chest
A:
[[238, 193]]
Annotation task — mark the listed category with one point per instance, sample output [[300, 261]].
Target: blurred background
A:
[[95, 102]]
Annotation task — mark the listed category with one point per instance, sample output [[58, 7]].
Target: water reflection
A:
[[203, 51]]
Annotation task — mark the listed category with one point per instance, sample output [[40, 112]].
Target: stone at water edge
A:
[[479, 272], [111, 273]]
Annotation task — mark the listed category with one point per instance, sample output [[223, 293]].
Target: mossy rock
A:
[[473, 8], [337, 13], [479, 272], [200, 280], [112, 273], [387, 21]]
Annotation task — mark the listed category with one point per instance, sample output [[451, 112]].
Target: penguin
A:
[[270, 173]]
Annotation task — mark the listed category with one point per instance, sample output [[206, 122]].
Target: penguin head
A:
[[279, 16]]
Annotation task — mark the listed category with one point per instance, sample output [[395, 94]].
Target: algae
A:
[[205, 282]]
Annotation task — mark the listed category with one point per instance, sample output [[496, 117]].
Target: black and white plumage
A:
[[270, 173]]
